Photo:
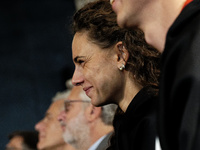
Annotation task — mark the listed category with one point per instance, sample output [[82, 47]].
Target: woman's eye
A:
[[80, 62]]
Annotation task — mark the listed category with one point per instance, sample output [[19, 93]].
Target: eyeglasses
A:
[[67, 103]]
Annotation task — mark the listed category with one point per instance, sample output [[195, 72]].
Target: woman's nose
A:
[[77, 78]]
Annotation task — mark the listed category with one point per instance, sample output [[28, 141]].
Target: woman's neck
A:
[[130, 91]]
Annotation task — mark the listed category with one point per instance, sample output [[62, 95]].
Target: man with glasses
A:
[[84, 126]]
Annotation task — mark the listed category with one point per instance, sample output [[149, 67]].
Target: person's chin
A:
[[116, 8], [96, 102], [40, 146], [116, 5], [121, 21], [67, 138]]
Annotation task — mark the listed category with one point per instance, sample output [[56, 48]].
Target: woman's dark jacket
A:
[[136, 128]]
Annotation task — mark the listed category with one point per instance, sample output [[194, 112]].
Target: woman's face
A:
[[96, 70]]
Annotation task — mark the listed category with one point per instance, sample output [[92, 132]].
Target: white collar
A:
[[96, 144]]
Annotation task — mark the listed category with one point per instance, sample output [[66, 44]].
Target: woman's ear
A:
[[122, 55]]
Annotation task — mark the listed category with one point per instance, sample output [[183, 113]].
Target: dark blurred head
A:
[[26, 140]]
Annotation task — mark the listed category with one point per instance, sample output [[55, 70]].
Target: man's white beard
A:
[[77, 132]]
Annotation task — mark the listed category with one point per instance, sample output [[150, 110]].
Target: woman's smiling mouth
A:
[[87, 90]]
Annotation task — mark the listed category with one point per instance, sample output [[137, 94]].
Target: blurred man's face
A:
[[76, 130], [15, 143], [50, 132], [73, 120]]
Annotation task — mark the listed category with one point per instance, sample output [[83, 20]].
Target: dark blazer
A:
[[179, 102], [136, 128]]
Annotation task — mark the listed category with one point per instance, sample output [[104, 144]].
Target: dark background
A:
[[35, 60]]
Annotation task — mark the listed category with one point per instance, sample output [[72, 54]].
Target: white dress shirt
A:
[[96, 144]]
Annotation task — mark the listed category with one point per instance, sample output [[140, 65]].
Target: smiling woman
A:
[[115, 65]]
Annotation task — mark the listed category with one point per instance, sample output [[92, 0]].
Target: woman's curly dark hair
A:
[[100, 23]]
